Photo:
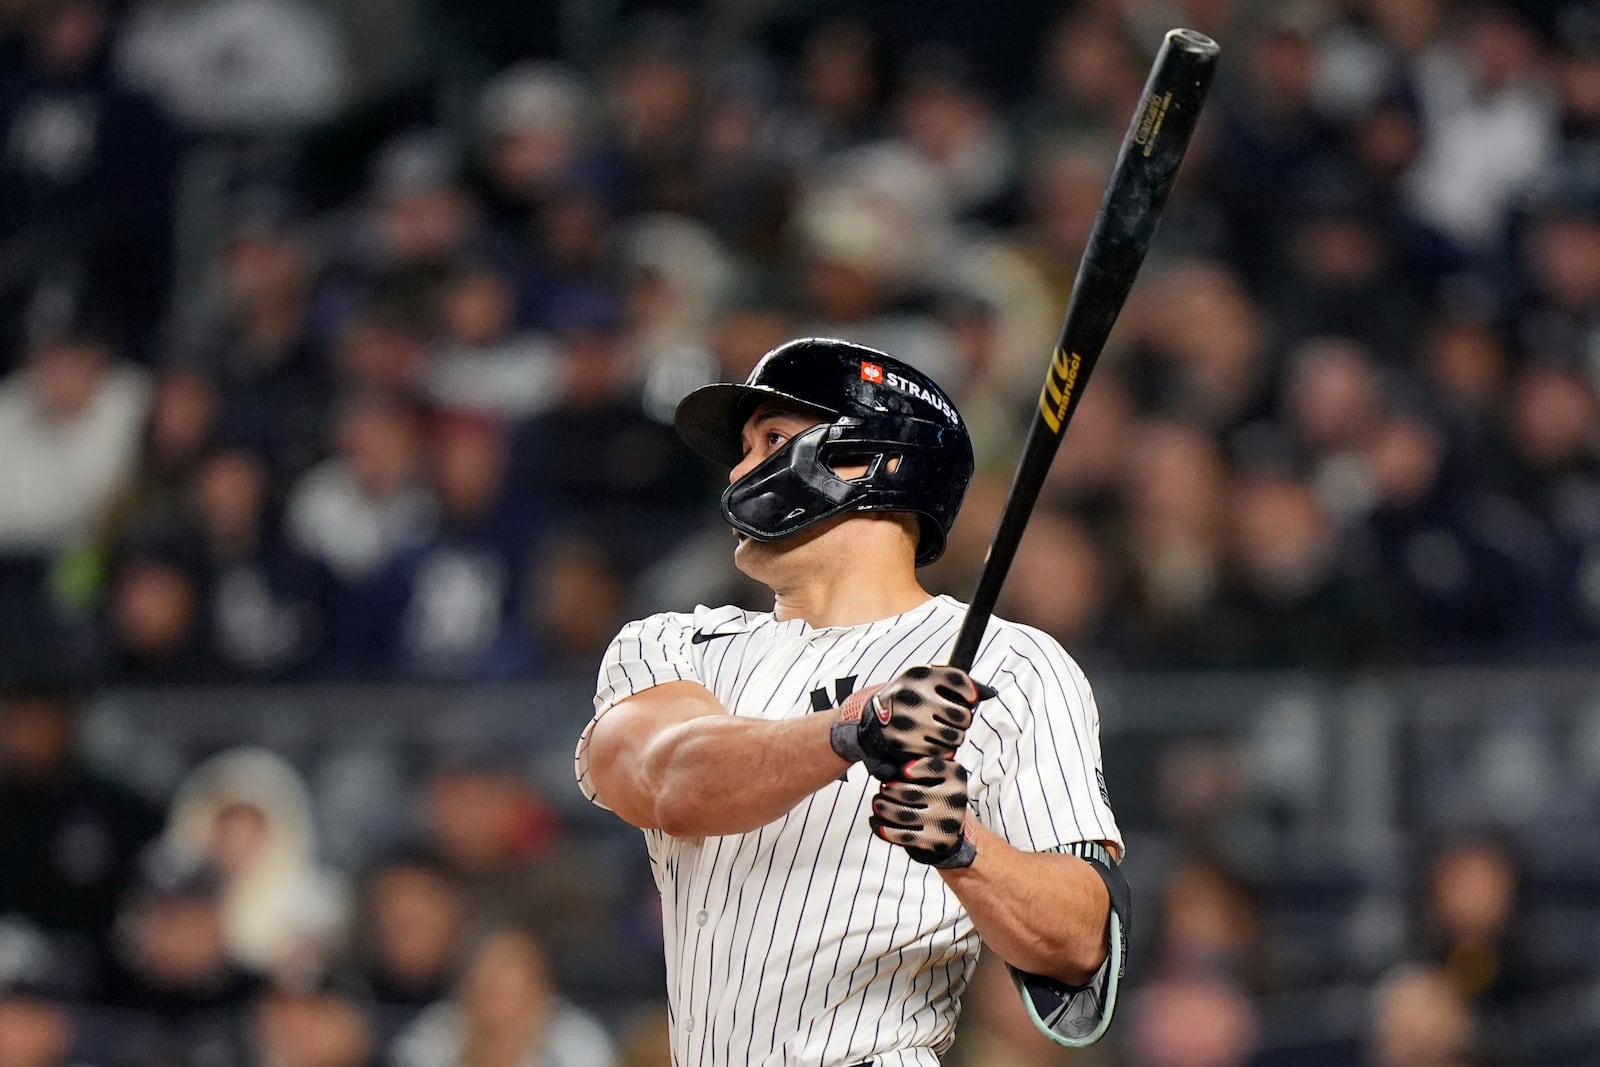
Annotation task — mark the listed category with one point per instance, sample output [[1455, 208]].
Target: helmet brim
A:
[[711, 419]]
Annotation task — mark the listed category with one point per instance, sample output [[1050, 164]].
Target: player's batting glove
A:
[[924, 711], [924, 811]]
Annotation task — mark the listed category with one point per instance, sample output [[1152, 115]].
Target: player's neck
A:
[[852, 597]]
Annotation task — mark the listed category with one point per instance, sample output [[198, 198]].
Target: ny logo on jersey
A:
[[842, 688]]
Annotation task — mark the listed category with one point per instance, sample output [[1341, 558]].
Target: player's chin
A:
[[755, 557]]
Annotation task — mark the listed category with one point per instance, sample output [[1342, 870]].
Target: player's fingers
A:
[[904, 793], [927, 770], [897, 814], [897, 835], [950, 798], [963, 688], [958, 689]]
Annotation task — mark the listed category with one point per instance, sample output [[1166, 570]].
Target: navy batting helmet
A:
[[879, 413]]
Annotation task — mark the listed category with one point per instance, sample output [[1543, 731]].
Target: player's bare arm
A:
[[671, 758], [1041, 912]]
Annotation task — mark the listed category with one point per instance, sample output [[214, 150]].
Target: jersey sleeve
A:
[[1034, 749], [647, 653]]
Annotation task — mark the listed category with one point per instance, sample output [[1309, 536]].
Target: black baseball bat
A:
[[1146, 165]]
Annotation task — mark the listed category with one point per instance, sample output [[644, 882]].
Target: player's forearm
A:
[[1042, 912], [718, 774]]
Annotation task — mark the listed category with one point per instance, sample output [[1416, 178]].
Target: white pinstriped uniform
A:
[[810, 941]]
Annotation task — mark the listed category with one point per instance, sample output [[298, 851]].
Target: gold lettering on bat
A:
[[1155, 113], [1059, 383]]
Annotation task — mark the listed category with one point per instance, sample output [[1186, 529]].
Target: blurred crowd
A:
[[447, 910], [339, 351], [339, 341], [216, 933]]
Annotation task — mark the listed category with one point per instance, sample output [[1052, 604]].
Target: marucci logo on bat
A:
[[1155, 112], [1058, 387]]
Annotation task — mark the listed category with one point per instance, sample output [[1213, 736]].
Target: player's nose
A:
[[743, 467]]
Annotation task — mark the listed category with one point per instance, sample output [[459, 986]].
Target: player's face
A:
[[768, 430]]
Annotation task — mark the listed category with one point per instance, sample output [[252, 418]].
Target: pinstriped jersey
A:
[[810, 940]]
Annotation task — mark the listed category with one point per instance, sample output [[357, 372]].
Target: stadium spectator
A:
[[951, 126], [266, 602], [868, 237], [355, 512], [246, 816], [1211, 923], [839, 91], [1203, 355], [445, 606], [1419, 1019], [1090, 79], [653, 96], [69, 429], [1294, 588], [236, 67], [413, 915], [1470, 900], [34, 1031], [483, 363], [600, 465], [1271, 141], [156, 628], [250, 336], [1193, 1020], [506, 1012], [310, 1029], [1175, 543], [1559, 260], [676, 276], [416, 219], [1444, 540], [1489, 121], [574, 595], [536, 125], [71, 837], [1063, 583], [175, 985], [180, 426], [86, 176]]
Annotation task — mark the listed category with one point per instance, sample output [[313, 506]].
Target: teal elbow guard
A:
[[1076, 1016]]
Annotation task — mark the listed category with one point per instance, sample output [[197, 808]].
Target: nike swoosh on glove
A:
[[924, 711]]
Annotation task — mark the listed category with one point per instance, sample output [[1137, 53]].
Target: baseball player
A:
[[833, 819]]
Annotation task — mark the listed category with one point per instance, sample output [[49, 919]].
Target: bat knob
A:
[[1193, 41]]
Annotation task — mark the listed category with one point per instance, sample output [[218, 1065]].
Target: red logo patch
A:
[[872, 372]]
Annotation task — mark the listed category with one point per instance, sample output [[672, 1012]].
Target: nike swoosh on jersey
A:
[[700, 637]]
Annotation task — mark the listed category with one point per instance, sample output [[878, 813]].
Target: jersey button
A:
[[700, 919], [688, 1023]]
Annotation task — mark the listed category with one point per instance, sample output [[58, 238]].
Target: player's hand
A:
[[924, 711], [923, 809]]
